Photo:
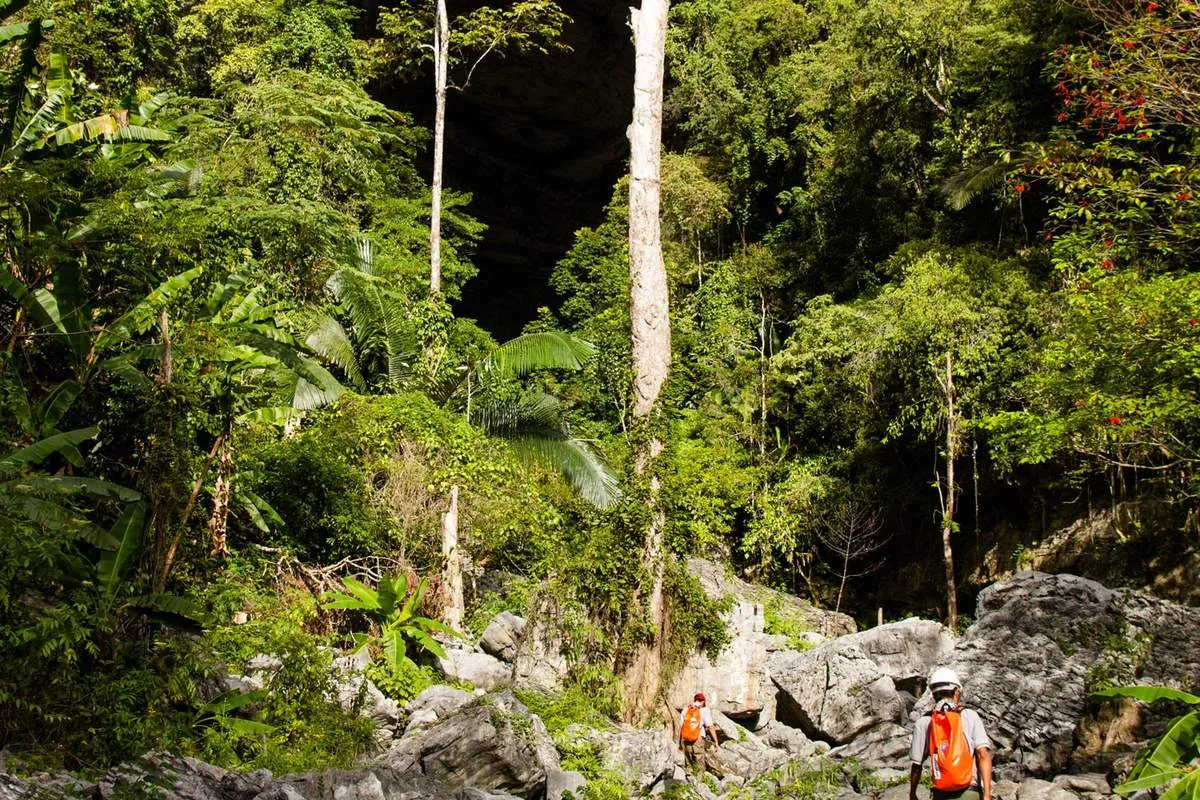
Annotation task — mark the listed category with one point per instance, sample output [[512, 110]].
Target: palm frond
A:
[[576, 462], [534, 428], [967, 184], [141, 316], [329, 340], [533, 351]]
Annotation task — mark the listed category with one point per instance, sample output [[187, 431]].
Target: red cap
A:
[[700, 698]]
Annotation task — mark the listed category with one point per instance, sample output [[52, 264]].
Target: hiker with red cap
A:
[[695, 722]]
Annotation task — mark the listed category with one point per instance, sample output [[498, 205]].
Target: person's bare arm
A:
[[914, 780], [983, 759]]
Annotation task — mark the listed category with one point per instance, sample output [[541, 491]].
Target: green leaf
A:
[[233, 700], [58, 403], [139, 318], [245, 727], [114, 564], [534, 351], [1186, 789], [67, 485], [174, 611], [1146, 694], [38, 451], [1168, 751]]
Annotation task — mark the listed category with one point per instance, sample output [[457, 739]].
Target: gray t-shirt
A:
[[973, 729]]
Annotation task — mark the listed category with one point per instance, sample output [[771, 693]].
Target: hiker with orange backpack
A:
[[694, 721], [954, 740]]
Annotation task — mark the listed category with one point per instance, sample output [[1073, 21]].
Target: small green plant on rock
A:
[[395, 610]]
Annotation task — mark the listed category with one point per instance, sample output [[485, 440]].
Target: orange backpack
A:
[[690, 732], [951, 760]]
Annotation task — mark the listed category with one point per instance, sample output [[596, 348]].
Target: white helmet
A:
[[943, 676]]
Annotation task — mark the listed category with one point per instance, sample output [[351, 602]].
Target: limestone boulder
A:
[[906, 651], [503, 635], [750, 757], [833, 692], [642, 757], [492, 743], [736, 681], [435, 703], [355, 690], [478, 669], [1042, 641], [541, 655]]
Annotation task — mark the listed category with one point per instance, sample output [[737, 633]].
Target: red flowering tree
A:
[[1124, 167], [1117, 378]]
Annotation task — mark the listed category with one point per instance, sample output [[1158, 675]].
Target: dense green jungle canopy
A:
[[900, 236]]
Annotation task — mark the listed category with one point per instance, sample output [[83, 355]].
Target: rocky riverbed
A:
[[835, 716]]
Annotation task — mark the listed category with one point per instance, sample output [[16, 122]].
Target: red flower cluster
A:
[[1114, 420], [1106, 264], [1152, 7], [1183, 197]]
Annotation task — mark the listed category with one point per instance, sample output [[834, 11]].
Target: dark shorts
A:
[[971, 793]]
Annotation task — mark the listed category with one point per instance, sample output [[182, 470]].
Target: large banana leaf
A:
[[128, 531], [1146, 694], [171, 610], [38, 451], [1186, 789], [329, 340], [58, 403], [41, 121], [139, 318], [68, 485]]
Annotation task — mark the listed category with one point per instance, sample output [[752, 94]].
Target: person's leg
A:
[[689, 755]]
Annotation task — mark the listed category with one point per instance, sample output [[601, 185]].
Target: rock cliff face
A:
[[1042, 642]]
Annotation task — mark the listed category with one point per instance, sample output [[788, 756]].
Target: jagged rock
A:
[[436, 702], [541, 660], [789, 739], [479, 669], [1091, 784], [906, 651], [737, 680], [1034, 789], [503, 636], [1042, 641], [833, 692], [750, 757], [641, 757], [491, 743], [886, 746], [355, 690], [471, 793], [560, 783], [171, 778]]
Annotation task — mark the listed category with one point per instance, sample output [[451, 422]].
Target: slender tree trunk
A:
[[650, 329], [455, 606], [164, 365], [441, 59], [948, 499], [218, 522]]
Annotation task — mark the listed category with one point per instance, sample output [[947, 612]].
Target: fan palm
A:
[[379, 349]]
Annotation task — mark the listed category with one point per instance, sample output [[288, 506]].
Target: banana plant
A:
[[394, 608], [1174, 758]]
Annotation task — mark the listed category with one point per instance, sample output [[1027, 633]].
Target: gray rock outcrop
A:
[[833, 692], [492, 743], [503, 635], [478, 669], [1041, 642], [737, 681]]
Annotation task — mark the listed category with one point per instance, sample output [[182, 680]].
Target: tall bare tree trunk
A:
[[218, 523], [441, 60], [650, 327], [950, 491], [454, 611]]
